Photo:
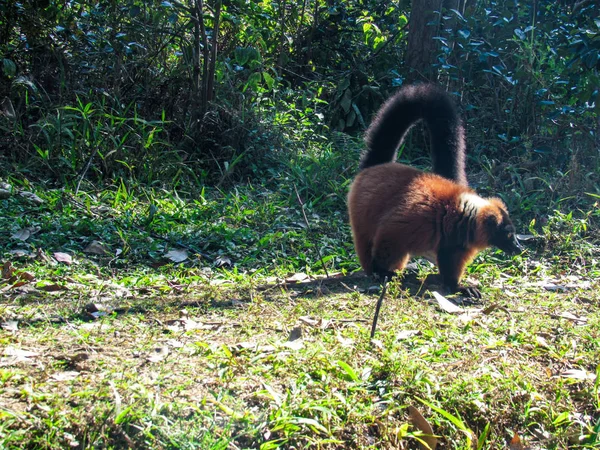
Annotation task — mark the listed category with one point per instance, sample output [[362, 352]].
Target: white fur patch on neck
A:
[[472, 201]]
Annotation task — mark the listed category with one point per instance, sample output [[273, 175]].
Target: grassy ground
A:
[[148, 318]]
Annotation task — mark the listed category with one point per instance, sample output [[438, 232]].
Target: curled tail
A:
[[399, 113]]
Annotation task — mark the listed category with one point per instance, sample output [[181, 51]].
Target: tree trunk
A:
[[421, 48], [210, 92]]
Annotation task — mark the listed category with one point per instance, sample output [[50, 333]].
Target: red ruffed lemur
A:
[[397, 211]]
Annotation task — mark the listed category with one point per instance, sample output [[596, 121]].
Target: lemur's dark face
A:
[[503, 236]]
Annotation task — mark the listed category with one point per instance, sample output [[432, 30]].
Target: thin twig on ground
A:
[[378, 307]]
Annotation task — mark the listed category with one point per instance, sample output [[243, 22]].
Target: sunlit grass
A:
[[129, 348]]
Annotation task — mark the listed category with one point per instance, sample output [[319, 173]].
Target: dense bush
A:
[[209, 89]]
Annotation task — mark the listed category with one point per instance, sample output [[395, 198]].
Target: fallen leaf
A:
[[326, 323], [51, 287], [21, 235], [65, 376], [493, 307], [578, 374], [26, 276], [446, 304], [31, 197], [10, 325], [307, 320], [187, 324], [63, 258], [95, 248], [7, 270], [345, 342], [297, 278], [515, 443], [541, 341], [159, 354], [12, 351], [294, 345], [41, 256], [20, 253], [223, 261], [377, 343], [421, 424], [174, 343], [177, 256], [98, 326], [405, 334], [254, 346], [569, 316]]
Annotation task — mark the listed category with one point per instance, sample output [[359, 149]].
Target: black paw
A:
[[469, 291]]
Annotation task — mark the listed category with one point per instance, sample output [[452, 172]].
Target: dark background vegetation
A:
[[207, 91]]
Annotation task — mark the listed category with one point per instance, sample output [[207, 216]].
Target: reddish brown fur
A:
[[397, 211]]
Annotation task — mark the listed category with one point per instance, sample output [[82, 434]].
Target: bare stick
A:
[[378, 307], [310, 231], [84, 171]]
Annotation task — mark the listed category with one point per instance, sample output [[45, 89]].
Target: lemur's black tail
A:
[[410, 104]]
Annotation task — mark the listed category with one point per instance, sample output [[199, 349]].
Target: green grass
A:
[[191, 355]]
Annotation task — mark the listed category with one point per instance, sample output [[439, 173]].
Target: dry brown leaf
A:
[[421, 424], [446, 304], [515, 443], [28, 276], [493, 307], [7, 270], [18, 284], [177, 256], [51, 287], [63, 258]]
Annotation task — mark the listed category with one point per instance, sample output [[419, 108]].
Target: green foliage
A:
[[284, 74], [528, 73]]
